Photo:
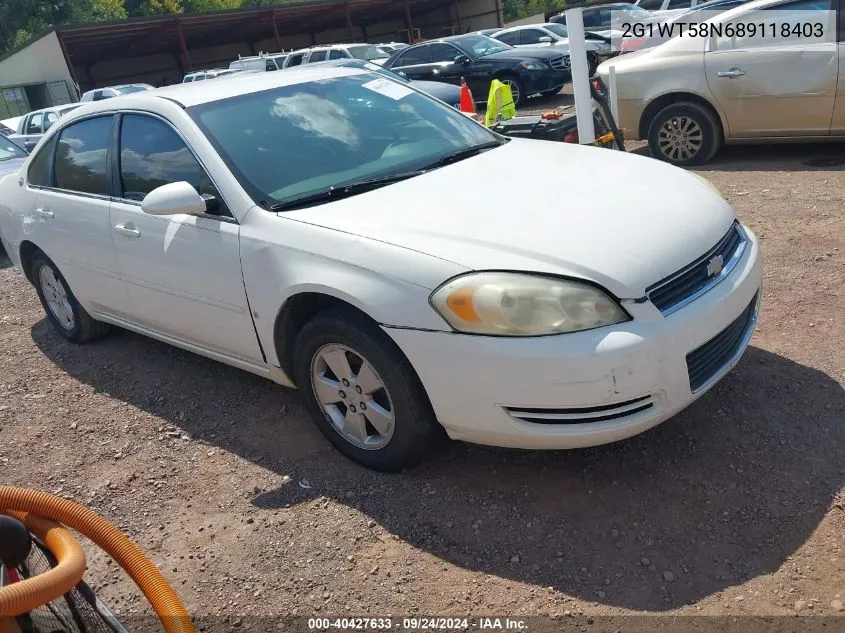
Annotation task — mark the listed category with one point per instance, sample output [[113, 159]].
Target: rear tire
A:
[[684, 134], [64, 312], [362, 392]]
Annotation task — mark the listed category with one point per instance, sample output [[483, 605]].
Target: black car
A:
[[446, 92], [480, 59]]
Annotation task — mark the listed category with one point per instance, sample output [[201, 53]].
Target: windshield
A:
[[482, 45], [557, 29], [9, 150], [125, 90], [366, 52], [298, 140], [638, 13]]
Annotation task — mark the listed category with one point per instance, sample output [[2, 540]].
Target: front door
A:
[[183, 272], [779, 79], [70, 217]]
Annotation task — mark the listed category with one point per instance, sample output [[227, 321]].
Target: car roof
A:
[[236, 84]]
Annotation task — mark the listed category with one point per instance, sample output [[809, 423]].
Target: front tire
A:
[[517, 89], [65, 313], [362, 392], [684, 134]]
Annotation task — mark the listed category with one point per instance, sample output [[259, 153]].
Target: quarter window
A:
[[81, 152], [152, 155]]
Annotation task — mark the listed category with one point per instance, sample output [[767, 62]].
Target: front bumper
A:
[[581, 389], [545, 80]]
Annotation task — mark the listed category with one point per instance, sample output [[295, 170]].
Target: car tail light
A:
[[572, 137], [631, 44]]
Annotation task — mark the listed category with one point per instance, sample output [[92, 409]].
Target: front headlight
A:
[[514, 304], [533, 65]]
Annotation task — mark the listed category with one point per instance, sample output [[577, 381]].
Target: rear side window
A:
[[81, 151], [508, 38], [295, 60], [317, 56], [34, 124], [337, 54], [38, 173], [413, 56]]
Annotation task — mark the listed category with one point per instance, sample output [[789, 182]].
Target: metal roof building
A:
[[59, 64]]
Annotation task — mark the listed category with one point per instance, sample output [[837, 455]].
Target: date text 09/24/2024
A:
[[416, 624]]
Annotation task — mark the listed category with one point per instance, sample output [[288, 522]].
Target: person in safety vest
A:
[[500, 106]]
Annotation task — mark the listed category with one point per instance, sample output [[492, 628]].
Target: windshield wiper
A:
[[341, 191], [461, 154]]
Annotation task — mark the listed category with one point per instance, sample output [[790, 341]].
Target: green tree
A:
[[160, 7]]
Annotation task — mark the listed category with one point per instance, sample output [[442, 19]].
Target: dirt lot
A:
[[736, 506]]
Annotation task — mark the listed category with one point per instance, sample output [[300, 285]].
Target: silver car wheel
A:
[[56, 297], [353, 396], [680, 138]]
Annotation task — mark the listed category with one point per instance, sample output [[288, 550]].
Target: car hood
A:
[[440, 89], [620, 220], [10, 166], [523, 52]]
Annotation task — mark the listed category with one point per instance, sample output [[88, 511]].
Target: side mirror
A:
[[461, 59], [172, 199], [401, 73], [545, 40]]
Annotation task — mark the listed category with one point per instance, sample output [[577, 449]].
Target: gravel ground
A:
[[736, 506]]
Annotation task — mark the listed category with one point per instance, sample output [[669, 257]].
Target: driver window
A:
[[441, 52], [531, 36], [152, 155]]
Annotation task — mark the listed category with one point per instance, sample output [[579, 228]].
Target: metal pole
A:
[[183, 46], [614, 102], [408, 22], [458, 16], [580, 76], [276, 30], [349, 22], [76, 88]]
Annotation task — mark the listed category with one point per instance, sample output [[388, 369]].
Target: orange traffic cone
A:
[[467, 102]]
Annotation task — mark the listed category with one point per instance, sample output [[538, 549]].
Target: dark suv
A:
[[480, 59]]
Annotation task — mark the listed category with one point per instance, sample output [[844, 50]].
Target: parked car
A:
[[600, 19], [391, 47], [656, 36], [480, 59], [264, 61], [114, 91], [668, 8], [449, 94], [553, 34], [32, 126], [313, 227], [202, 75], [367, 52], [692, 94]]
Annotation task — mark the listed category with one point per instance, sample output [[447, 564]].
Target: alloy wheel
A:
[[680, 138], [56, 297], [353, 396]]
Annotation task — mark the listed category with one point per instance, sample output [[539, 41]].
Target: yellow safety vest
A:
[[500, 106]]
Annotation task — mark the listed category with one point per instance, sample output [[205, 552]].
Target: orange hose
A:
[[22, 597], [166, 604]]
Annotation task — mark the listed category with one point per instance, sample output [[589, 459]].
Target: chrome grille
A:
[[708, 361], [582, 415], [560, 63], [686, 285]]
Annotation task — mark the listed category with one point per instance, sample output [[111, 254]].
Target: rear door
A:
[[781, 85], [70, 221], [415, 62], [183, 272]]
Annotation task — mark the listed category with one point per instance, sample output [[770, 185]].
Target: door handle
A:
[[732, 73], [44, 213], [127, 231]]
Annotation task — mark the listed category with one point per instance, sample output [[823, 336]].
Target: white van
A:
[[262, 61]]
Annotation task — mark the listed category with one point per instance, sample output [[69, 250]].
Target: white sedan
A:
[[332, 229]]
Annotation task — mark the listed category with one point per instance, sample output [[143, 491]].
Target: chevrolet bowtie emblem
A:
[[714, 266]]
